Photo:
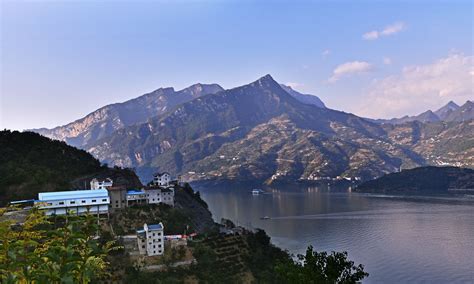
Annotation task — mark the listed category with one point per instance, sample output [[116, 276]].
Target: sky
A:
[[61, 60]]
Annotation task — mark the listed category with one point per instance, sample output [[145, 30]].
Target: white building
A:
[[74, 202], [162, 179], [156, 194], [96, 184], [151, 240], [153, 195]]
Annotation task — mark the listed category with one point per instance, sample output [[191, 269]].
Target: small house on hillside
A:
[[162, 179], [96, 184]]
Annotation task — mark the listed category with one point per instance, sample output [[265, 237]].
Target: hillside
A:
[[439, 143], [30, 163], [421, 180]]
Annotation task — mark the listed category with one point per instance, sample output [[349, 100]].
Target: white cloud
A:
[[371, 35], [393, 29], [419, 88], [388, 30], [387, 61], [353, 67], [326, 53]]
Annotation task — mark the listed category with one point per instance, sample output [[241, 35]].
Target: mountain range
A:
[[110, 118], [449, 112], [261, 131]]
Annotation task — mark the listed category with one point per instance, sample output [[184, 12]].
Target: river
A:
[[399, 240]]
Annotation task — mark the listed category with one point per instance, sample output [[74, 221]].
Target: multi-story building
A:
[[151, 240], [96, 184], [118, 196], [162, 179], [167, 196], [74, 202], [156, 194], [153, 195]]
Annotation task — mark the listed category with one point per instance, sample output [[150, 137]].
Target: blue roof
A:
[[155, 227], [73, 194], [134, 191]]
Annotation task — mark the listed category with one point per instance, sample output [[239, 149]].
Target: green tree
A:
[[321, 268], [40, 251]]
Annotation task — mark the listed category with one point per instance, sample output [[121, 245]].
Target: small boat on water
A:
[[264, 218], [256, 191]]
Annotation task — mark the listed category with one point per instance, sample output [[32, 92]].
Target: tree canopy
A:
[[321, 268], [41, 251]]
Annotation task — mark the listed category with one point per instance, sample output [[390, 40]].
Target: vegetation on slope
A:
[[31, 163], [41, 251], [251, 258], [421, 180]]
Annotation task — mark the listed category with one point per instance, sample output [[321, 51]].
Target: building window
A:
[[93, 200], [49, 203], [61, 203], [72, 202], [83, 201], [143, 246], [159, 251], [153, 234], [154, 246], [154, 251], [104, 200]]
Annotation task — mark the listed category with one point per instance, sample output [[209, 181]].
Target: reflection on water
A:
[[398, 240]]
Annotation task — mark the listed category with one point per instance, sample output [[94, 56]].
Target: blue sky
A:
[[62, 60]]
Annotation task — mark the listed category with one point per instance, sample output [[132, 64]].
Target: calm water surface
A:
[[398, 240]]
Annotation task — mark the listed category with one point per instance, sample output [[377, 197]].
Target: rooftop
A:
[[135, 191], [59, 195], [155, 227]]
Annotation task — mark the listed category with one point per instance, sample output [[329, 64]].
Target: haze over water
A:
[[399, 240]]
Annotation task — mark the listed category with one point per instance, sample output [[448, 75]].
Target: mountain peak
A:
[[468, 103], [199, 89], [452, 104], [266, 77], [266, 80], [446, 110]]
